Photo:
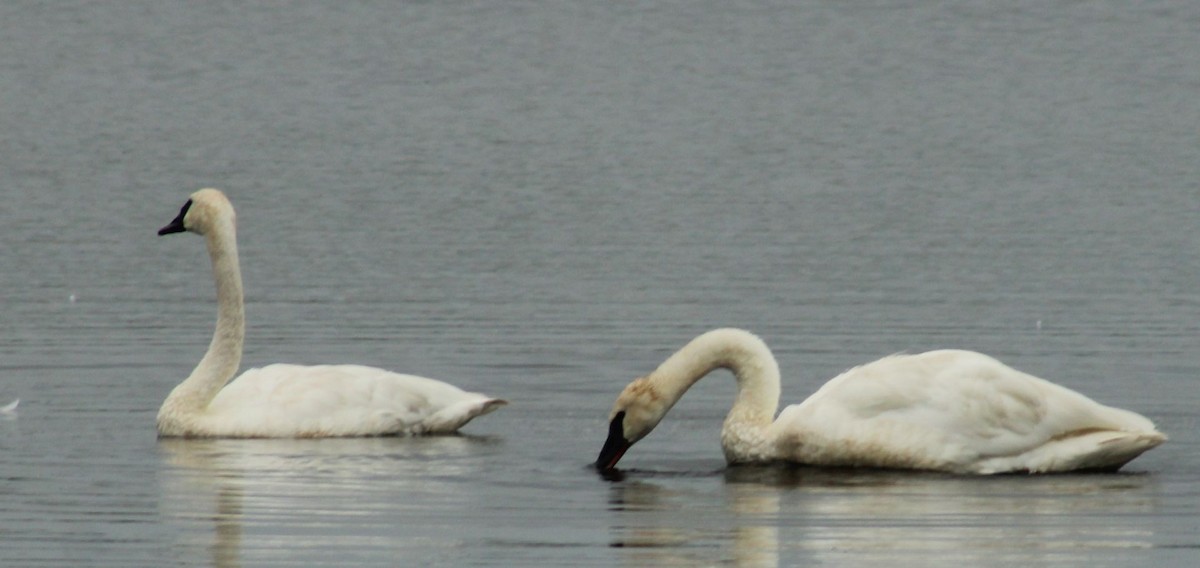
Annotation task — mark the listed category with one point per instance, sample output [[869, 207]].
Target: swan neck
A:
[[224, 354], [743, 354]]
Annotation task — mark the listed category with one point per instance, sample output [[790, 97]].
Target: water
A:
[[541, 201]]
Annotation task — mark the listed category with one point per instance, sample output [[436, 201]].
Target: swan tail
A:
[[10, 407], [455, 416], [1090, 451]]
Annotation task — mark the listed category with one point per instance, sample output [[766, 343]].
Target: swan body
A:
[[292, 401], [949, 410]]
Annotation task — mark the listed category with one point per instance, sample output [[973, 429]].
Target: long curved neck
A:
[[224, 354], [752, 364]]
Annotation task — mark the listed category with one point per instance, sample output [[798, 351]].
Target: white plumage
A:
[[292, 401], [950, 410]]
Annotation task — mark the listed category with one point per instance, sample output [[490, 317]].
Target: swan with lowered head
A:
[[952, 411], [292, 401]]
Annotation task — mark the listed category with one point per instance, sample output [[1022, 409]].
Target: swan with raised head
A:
[[952, 411], [292, 401]]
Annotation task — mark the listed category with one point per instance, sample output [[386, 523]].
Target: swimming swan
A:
[[292, 401], [953, 411]]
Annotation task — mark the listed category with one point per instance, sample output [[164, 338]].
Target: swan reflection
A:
[[307, 495], [783, 516], [663, 527]]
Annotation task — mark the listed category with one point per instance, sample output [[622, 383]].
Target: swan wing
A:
[[958, 411], [340, 400]]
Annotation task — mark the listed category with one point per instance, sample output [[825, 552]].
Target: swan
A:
[[292, 401], [953, 411]]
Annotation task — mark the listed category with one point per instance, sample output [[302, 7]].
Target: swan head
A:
[[203, 209], [638, 409]]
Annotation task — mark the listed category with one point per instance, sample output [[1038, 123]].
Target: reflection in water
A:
[[290, 494], [770, 516], [955, 521], [663, 527]]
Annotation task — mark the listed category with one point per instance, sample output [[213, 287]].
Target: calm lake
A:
[[541, 201]]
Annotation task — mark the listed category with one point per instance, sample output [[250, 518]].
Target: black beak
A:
[[615, 446], [176, 226]]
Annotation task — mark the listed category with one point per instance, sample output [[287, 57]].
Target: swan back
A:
[[319, 401], [959, 411]]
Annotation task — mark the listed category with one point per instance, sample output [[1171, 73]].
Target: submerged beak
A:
[[615, 446]]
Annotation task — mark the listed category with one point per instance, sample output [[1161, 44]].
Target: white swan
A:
[[292, 401], [953, 411]]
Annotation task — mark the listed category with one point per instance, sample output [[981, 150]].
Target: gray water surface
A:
[[541, 201]]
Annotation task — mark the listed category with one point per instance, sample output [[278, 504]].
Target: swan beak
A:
[[176, 225], [615, 446]]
